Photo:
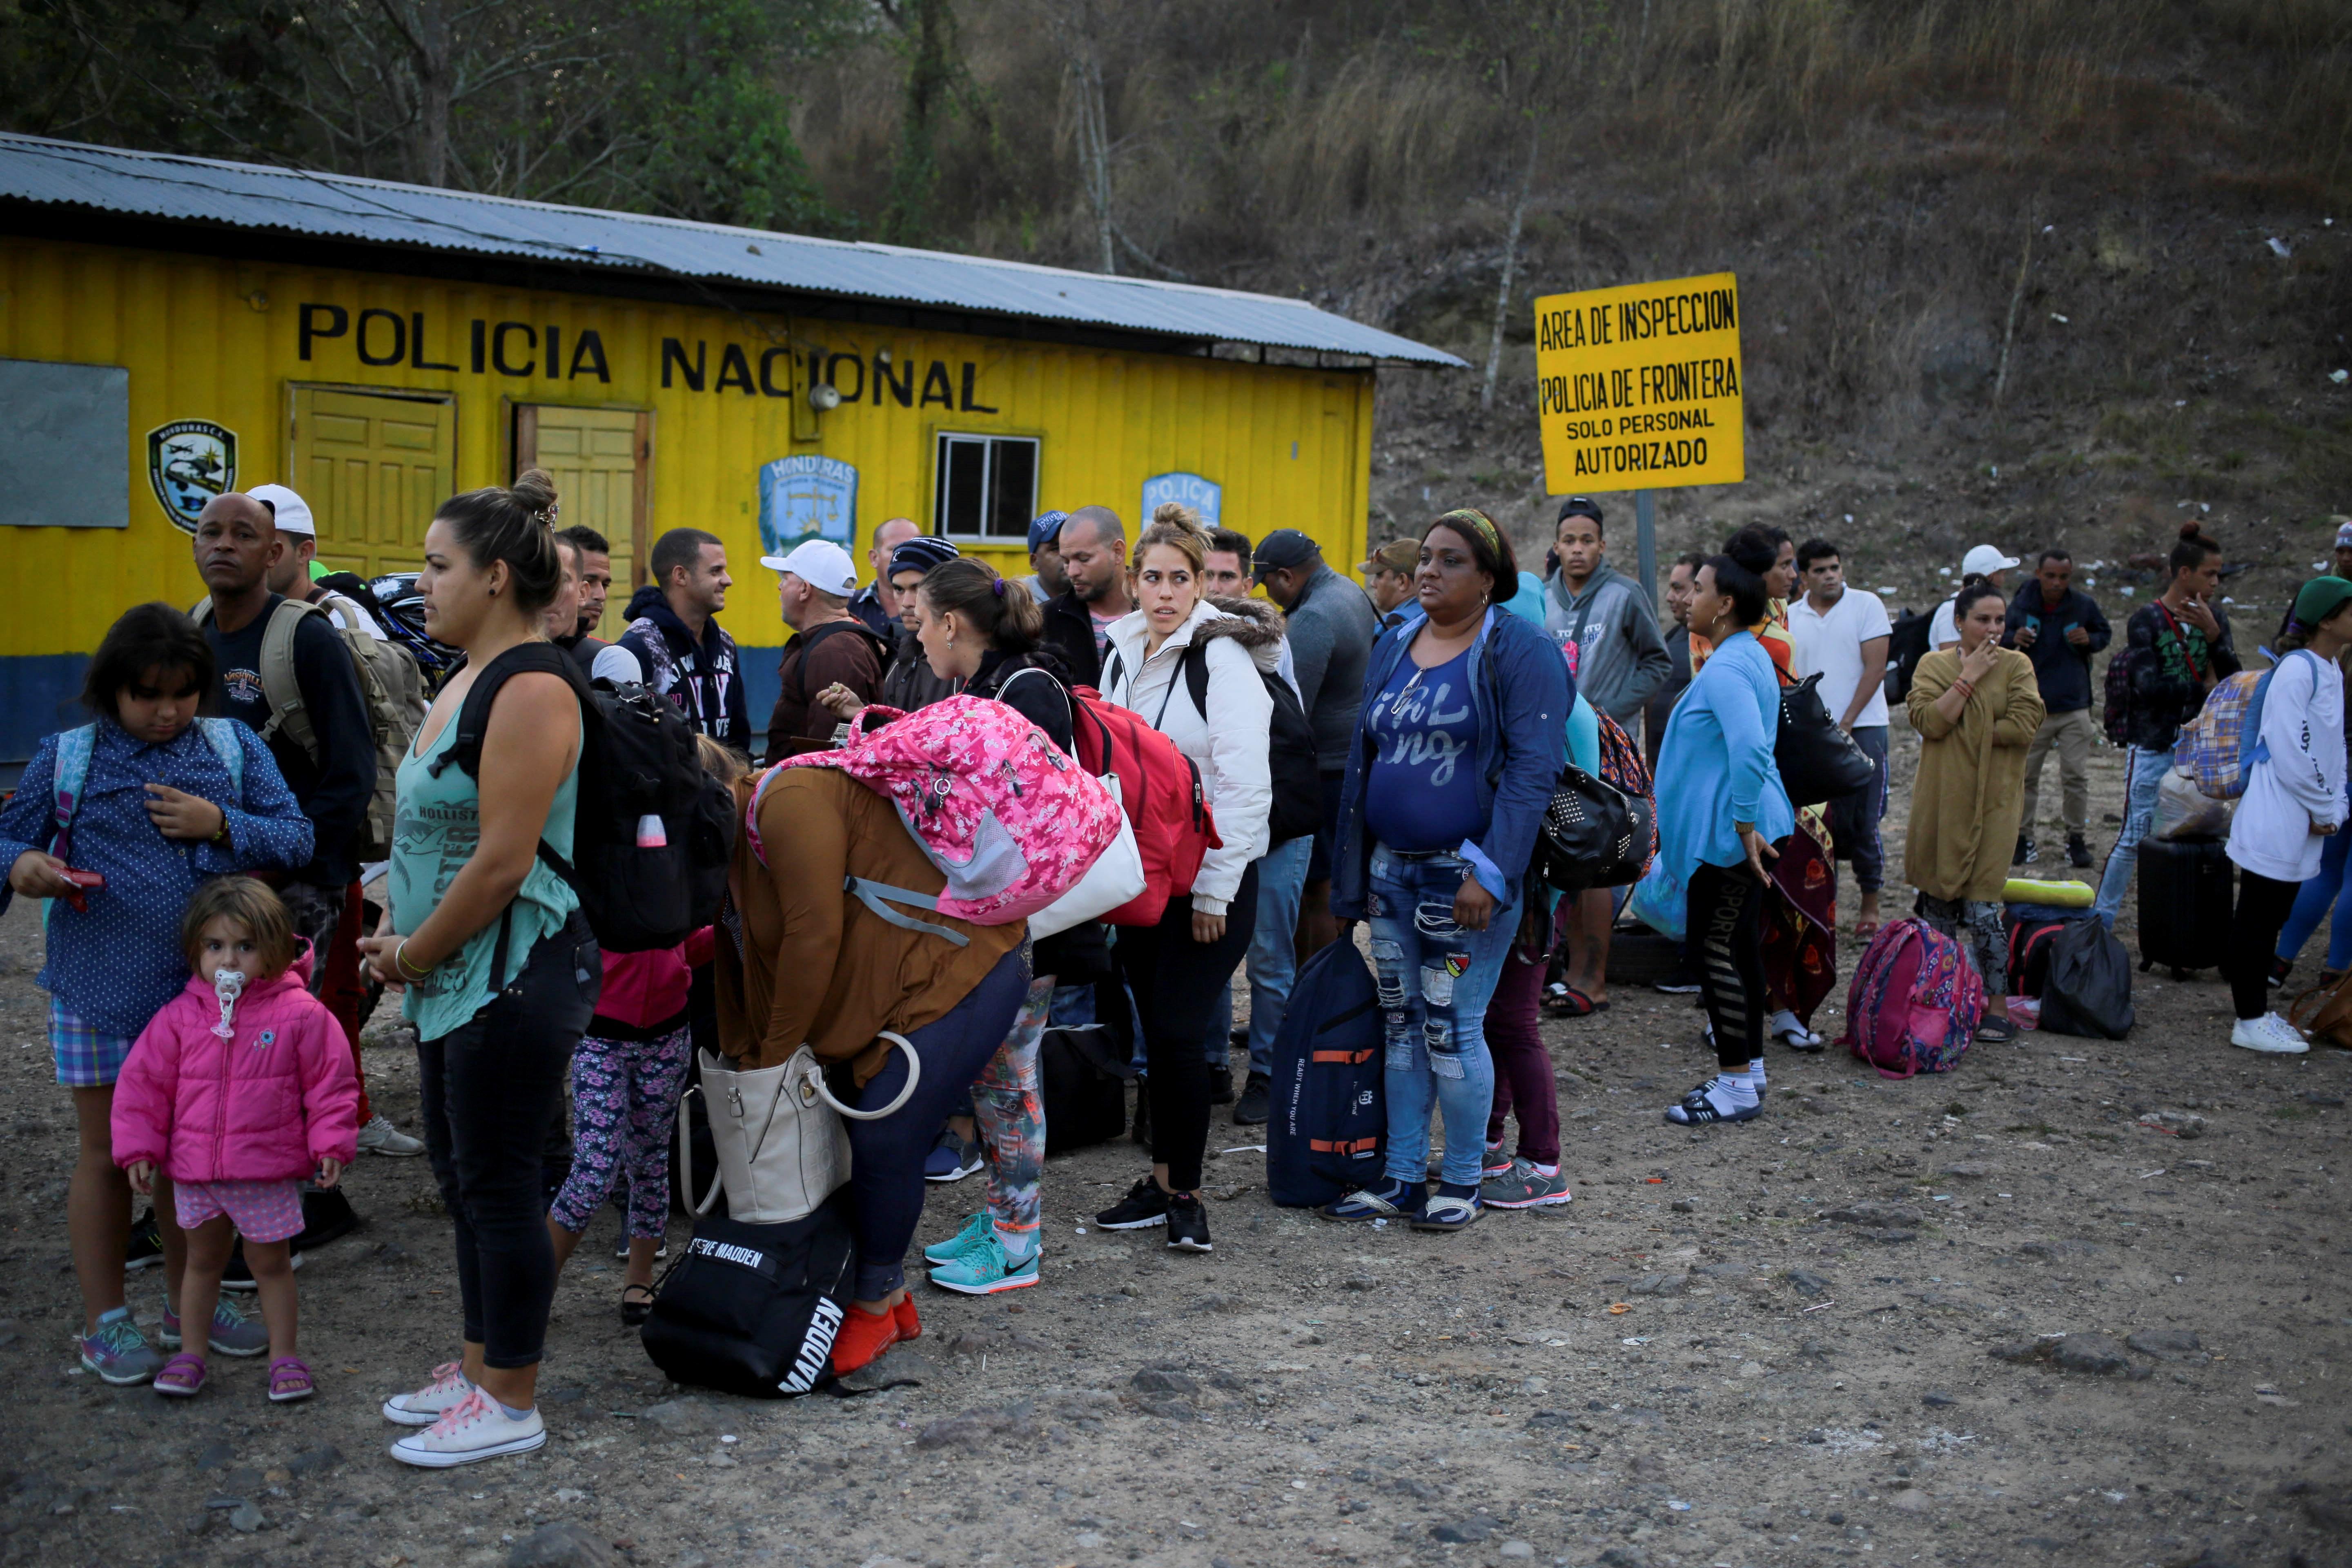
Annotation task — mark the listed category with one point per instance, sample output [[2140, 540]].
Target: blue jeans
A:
[[1273, 961], [2143, 771], [2332, 886], [1434, 981]]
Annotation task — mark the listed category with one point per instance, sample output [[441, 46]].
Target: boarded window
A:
[[69, 464]]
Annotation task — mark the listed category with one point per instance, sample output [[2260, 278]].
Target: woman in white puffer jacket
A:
[[1178, 968]]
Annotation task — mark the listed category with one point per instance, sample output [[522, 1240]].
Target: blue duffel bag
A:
[[1330, 1117]]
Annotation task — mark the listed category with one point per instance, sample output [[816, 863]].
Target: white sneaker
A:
[[380, 1137], [435, 1399], [2270, 1034], [475, 1428]]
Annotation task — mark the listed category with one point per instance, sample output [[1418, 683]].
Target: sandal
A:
[[1864, 930], [636, 1309], [1996, 1031], [1445, 1213], [1365, 1204], [1570, 1003], [289, 1380], [182, 1376]]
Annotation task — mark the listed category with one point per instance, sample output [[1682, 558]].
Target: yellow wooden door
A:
[[372, 469], [599, 459]]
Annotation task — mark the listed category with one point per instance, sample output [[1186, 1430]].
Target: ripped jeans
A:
[[1434, 979]]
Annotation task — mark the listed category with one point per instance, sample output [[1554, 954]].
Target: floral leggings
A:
[[625, 1105], [1009, 1102]]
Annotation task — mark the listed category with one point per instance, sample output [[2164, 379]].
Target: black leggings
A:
[[2264, 905], [1176, 982], [490, 1088], [885, 1157], [1725, 910]]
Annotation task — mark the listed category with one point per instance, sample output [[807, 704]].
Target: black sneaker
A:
[[1239, 1039], [1221, 1085], [1256, 1103], [237, 1276], [1188, 1223], [2026, 853], [2280, 968], [2078, 854], [1145, 1204], [146, 1244]]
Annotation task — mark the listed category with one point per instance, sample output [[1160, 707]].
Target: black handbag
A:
[[1817, 761], [752, 1309], [1594, 834]]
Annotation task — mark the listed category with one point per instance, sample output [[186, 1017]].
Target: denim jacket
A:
[[1521, 687]]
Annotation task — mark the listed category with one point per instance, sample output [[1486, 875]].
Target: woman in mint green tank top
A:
[[500, 970]]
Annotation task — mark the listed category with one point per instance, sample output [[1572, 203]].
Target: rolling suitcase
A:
[[2185, 902]]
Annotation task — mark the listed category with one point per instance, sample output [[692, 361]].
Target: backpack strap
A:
[[220, 734], [280, 685], [809, 639], [473, 721], [74, 750], [879, 896]]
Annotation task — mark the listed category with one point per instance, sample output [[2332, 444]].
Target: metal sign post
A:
[[1645, 531]]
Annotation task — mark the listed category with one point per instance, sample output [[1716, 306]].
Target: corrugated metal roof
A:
[[251, 195]]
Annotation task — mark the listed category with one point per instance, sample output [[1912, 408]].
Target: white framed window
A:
[[986, 486]]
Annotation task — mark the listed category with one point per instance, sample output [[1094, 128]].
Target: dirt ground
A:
[[1820, 1336]]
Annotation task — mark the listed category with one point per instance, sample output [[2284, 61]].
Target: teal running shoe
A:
[[985, 1270], [975, 1230]]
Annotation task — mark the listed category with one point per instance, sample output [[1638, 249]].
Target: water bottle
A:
[[651, 834]]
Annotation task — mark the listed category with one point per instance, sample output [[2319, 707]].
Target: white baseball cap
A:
[[293, 513], [821, 564], [1984, 561]]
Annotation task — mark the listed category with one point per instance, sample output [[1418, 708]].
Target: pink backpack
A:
[[1005, 814], [1916, 1001]]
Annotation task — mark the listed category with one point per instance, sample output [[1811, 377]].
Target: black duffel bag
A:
[[1593, 834], [1817, 761], [752, 1309], [2087, 988]]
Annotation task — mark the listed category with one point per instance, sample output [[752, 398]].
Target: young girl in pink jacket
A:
[[240, 1088]]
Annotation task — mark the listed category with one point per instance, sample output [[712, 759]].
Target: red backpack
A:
[[1159, 788], [1916, 1001]]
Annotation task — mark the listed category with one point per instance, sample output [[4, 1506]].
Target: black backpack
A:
[[637, 762], [752, 1309], [1907, 645], [1296, 809], [1329, 1122]]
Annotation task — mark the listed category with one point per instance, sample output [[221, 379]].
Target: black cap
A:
[[1283, 548], [1577, 505]]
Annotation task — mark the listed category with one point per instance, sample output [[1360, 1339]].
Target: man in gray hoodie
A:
[[1621, 658]]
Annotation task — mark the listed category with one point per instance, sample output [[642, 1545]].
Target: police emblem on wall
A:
[[190, 461], [1204, 495], [806, 498]]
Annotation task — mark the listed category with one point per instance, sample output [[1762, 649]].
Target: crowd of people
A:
[[259, 775]]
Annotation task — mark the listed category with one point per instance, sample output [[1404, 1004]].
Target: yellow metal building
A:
[[172, 327]]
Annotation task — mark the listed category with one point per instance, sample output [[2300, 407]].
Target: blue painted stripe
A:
[[39, 695]]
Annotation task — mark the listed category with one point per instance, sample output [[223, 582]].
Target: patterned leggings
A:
[[1008, 1101], [625, 1105]]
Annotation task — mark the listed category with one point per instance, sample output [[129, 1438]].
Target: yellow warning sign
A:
[[1638, 388]]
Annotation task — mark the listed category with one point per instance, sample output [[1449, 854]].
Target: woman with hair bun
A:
[[979, 634], [1722, 815], [501, 971]]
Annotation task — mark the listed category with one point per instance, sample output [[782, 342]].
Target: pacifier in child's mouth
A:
[[228, 985]]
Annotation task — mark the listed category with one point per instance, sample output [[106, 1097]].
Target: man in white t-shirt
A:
[[1984, 561], [1841, 635]]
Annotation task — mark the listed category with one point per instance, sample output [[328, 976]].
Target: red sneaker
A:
[[864, 1335], [910, 1327]]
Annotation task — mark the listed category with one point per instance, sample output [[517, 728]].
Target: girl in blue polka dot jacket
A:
[[116, 824]]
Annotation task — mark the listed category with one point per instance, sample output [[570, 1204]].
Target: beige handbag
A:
[[777, 1130]]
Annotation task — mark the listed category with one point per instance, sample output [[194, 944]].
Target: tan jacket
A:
[[1971, 787], [818, 965]]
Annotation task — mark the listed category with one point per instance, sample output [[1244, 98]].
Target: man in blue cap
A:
[[1047, 580]]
